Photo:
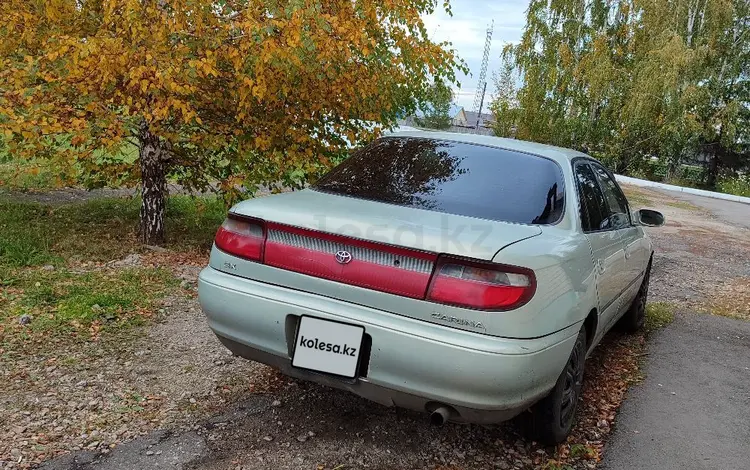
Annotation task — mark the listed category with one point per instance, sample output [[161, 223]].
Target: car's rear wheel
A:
[[551, 419], [634, 319]]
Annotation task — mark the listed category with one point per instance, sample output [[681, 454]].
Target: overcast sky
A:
[[466, 29]]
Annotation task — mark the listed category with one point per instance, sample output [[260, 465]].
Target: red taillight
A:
[[371, 265], [455, 281], [483, 286], [242, 237]]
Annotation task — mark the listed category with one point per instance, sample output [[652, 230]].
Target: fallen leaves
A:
[[62, 396], [731, 299], [610, 370]]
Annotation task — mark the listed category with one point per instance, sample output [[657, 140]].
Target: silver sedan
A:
[[460, 275]]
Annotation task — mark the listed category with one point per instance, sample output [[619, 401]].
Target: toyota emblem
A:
[[343, 257]]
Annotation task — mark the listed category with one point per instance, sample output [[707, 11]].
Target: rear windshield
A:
[[452, 177]]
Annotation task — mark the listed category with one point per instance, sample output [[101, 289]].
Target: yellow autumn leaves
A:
[[284, 79]]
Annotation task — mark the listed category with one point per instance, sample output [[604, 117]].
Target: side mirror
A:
[[649, 218]]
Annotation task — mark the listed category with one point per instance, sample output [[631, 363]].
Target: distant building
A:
[[469, 119], [462, 121], [455, 113]]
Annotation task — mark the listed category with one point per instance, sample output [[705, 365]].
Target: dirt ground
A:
[[175, 375], [700, 255]]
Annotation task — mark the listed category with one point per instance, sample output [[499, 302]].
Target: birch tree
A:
[[630, 79], [211, 93]]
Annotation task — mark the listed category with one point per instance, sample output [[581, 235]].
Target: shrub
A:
[[738, 185]]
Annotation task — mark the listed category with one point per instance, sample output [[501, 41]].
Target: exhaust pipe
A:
[[440, 415]]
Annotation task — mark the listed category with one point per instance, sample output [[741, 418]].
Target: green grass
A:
[[38, 173], [636, 198], [659, 315], [33, 234], [53, 265], [65, 302], [683, 205], [25, 174]]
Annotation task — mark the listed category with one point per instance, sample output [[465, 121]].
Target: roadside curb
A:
[[681, 189]]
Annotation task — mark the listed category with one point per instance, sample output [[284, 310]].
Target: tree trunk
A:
[[713, 171], [717, 154], [153, 155], [671, 170]]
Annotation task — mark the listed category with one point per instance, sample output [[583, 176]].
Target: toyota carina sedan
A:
[[460, 275]]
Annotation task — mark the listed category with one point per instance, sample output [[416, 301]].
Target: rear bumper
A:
[[410, 364]]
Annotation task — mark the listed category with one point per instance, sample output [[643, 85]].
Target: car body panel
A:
[[554, 303], [637, 250], [461, 368], [488, 365], [609, 257], [408, 227], [565, 284]]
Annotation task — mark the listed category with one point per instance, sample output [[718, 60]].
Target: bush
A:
[[684, 175], [738, 185], [650, 170], [692, 173]]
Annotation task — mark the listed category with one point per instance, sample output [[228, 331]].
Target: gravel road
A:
[[218, 412]]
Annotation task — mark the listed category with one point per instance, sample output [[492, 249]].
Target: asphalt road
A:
[[735, 213], [693, 409]]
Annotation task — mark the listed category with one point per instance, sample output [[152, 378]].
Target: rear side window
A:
[[452, 177], [618, 205], [594, 211]]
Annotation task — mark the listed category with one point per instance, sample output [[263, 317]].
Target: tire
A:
[[634, 319], [551, 419]]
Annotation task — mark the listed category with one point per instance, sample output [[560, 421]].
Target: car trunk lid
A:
[[368, 244], [387, 224]]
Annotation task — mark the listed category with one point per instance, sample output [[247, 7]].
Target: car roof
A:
[[559, 154]]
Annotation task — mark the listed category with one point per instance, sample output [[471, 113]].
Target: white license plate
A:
[[328, 346]]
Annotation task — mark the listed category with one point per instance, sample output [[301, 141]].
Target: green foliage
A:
[[436, 107], [25, 174], [682, 175], [222, 96], [505, 106], [629, 80], [738, 185]]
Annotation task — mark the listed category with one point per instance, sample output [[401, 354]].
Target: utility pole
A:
[[481, 104], [482, 85]]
